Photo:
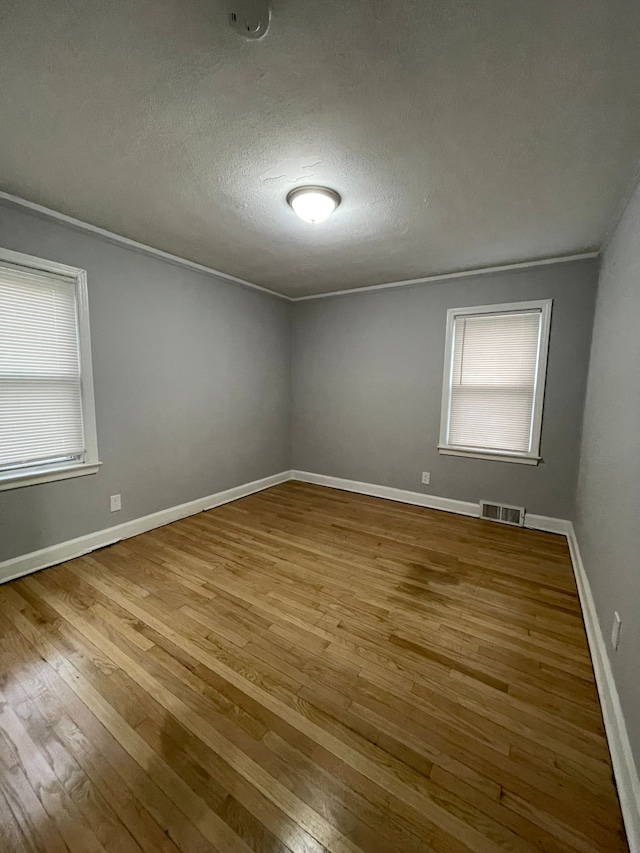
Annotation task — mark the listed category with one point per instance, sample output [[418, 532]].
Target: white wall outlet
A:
[[115, 503], [426, 478], [615, 631]]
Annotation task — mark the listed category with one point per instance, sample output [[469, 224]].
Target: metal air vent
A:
[[503, 513]]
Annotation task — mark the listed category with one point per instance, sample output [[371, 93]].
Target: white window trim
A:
[[90, 464], [533, 457]]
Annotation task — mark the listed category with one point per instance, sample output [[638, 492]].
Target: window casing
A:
[[494, 377], [47, 414]]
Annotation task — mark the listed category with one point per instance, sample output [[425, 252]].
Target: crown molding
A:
[[176, 259], [523, 265], [132, 244]]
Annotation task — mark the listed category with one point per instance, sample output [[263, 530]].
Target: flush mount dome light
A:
[[313, 204]]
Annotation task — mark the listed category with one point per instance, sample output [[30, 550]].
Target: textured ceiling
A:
[[460, 134]]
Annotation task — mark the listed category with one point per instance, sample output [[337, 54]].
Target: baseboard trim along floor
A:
[[535, 522], [51, 556], [625, 771], [624, 768]]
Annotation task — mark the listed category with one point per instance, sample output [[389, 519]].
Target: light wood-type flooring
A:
[[304, 670]]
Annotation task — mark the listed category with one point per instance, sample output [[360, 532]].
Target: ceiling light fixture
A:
[[313, 204]]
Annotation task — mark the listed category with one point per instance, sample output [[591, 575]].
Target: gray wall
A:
[[608, 497], [192, 386], [367, 386], [194, 379]]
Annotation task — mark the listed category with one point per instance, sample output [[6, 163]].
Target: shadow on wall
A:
[[23, 529]]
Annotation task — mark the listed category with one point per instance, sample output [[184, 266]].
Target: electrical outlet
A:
[[426, 478], [615, 631], [115, 503]]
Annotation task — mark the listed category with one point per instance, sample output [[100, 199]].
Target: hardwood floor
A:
[[304, 670]]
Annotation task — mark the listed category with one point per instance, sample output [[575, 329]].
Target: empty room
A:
[[319, 426]]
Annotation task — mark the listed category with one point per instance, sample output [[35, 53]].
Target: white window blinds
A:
[[493, 381], [41, 420]]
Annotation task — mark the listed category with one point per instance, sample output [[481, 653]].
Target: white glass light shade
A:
[[313, 204]]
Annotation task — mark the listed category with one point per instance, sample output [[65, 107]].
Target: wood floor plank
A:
[[304, 670]]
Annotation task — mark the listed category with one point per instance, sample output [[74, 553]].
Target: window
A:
[[494, 375], [47, 419]]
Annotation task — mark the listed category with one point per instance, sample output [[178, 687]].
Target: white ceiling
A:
[[460, 134]]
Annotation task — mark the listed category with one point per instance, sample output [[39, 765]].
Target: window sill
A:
[[47, 475], [494, 456]]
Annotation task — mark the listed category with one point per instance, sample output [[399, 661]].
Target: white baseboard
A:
[[42, 559], [36, 560], [624, 768], [401, 495], [547, 523], [535, 522]]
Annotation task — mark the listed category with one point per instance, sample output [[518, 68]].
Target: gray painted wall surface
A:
[[367, 385], [608, 496], [192, 387]]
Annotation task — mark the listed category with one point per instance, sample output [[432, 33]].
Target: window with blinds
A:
[[494, 380], [46, 402]]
